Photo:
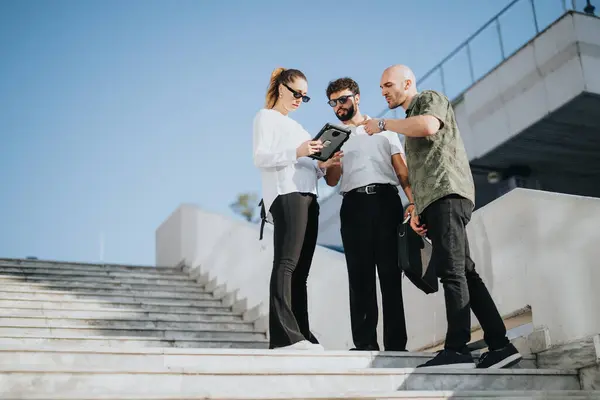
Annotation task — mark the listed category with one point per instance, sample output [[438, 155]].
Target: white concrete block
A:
[[514, 75], [528, 106], [468, 136], [491, 129], [587, 29], [573, 355], [555, 40], [590, 62], [565, 82], [539, 340], [479, 96], [590, 378]]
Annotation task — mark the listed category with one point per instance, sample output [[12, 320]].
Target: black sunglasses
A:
[[297, 95], [341, 100]]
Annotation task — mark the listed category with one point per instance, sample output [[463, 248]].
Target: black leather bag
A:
[[414, 254]]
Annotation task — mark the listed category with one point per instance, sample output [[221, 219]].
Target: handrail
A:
[[465, 45], [470, 38]]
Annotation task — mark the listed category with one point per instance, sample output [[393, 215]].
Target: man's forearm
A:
[[333, 175], [406, 187], [418, 126]]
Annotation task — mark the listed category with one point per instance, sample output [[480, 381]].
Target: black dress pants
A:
[[369, 225], [446, 220], [296, 224]]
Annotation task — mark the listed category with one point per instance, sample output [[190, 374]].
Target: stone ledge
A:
[[575, 355]]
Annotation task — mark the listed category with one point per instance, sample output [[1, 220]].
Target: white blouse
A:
[[275, 140]]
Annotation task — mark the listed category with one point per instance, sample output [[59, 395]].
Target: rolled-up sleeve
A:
[[267, 154], [434, 104]]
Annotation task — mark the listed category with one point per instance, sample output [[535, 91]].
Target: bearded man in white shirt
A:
[[371, 211]]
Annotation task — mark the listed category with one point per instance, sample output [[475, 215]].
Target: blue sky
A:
[[112, 113]]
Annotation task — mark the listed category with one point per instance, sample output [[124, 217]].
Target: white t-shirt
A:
[[368, 159], [275, 140]]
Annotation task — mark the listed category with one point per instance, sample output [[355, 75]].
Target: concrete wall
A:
[[531, 248], [552, 69], [169, 240], [229, 250], [329, 220]]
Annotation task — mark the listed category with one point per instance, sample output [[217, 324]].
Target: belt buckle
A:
[[367, 191]]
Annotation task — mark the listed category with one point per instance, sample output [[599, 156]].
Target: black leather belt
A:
[[372, 189]]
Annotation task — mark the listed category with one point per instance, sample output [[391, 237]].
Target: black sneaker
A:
[[450, 359], [502, 358]]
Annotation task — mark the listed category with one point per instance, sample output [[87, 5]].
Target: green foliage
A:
[[246, 205]]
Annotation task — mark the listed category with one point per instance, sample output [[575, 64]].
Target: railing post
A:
[[443, 80], [470, 63], [500, 38], [537, 28]]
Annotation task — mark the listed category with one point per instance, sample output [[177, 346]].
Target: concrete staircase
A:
[[75, 331], [118, 306]]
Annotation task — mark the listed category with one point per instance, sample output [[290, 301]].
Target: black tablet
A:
[[333, 137]]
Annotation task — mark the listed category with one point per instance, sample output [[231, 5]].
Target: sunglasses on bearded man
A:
[[341, 100]]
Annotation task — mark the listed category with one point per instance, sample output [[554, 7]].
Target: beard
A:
[[348, 115], [396, 102], [392, 105]]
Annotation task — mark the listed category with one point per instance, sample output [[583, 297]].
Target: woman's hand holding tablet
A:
[[332, 138]]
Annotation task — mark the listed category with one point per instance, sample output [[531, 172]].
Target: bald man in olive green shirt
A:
[[444, 193]]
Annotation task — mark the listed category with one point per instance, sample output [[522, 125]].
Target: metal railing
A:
[[498, 39]]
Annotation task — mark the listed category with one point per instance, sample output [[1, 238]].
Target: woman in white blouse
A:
[[289, 187]]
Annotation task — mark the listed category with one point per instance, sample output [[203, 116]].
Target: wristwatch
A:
[[381, 124]]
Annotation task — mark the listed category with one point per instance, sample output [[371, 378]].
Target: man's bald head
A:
[[398, 85], [399, 73]]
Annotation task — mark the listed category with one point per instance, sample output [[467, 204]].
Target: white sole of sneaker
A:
[[507, 362], [461, 365]]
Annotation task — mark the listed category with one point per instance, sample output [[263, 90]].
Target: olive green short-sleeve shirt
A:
[[438, 164]]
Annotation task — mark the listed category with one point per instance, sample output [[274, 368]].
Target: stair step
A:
[[210, 360], [93, 268], [93, 331], [125, 342], [95, 279], [118, 292], [124, 324], [166, 333], [22, 380], [106, 298], [9, 271], [61, 284], [61, 264], [137, 315], [365, 395], [107, 305]]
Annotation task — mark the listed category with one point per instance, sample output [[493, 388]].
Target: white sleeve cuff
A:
[[320, 171]]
